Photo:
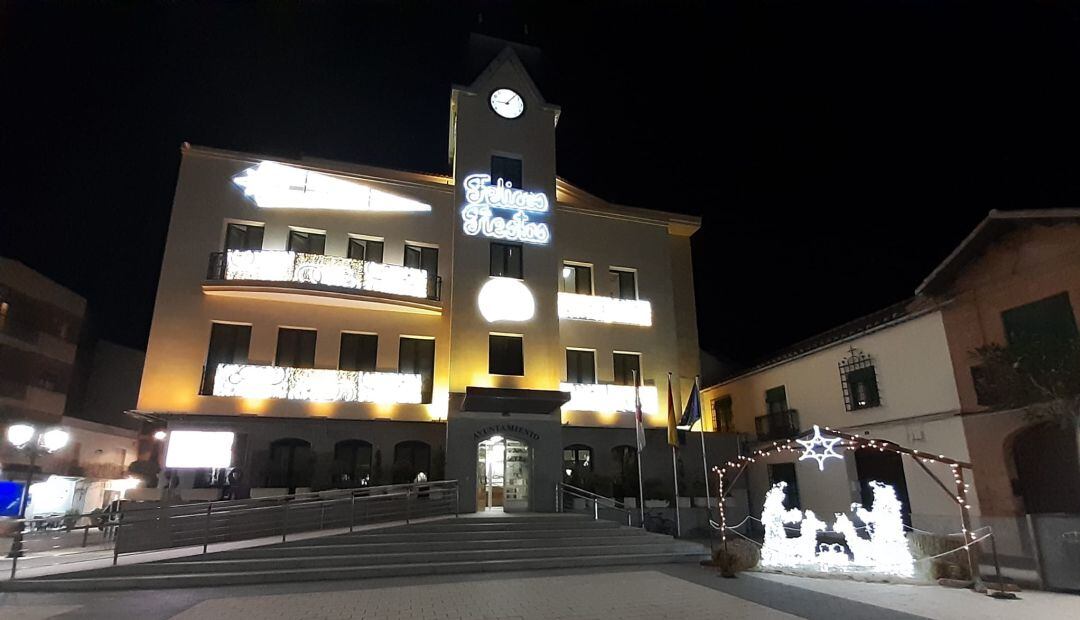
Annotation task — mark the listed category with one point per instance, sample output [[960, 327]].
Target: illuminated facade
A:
[[357, 325]]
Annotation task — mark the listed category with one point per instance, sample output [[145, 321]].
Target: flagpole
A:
[[675, 472], [704, 458], [641, 434]]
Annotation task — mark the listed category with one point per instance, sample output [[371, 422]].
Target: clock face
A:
[[507, 103]]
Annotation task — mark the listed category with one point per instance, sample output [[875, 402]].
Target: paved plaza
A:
[[676, 591]]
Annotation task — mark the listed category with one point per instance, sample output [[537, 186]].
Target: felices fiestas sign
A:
[[496, 429], [482, 199]]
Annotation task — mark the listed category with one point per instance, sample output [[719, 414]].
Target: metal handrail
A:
[[200, 523], [562, 488]]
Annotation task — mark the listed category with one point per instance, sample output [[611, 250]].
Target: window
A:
[[858, 380], [625, 483], [623, 283], [1045, 325], [290, 464], [425, 258], [295, 348], [626, 366], [576, 279], [417, 356], [505, 356], [776, 399], [506, 260], [243, 237], [576, 459], [410, 459], [785, 472], [352, 463], [228, 345], [358, 352], [580, 366], [365, 249], [506, 168], [723, 416], [307, 242]]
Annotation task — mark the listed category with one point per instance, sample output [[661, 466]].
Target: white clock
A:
[[507, 103]]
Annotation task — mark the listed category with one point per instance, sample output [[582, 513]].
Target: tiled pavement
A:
[[629, 596], [670, 591]]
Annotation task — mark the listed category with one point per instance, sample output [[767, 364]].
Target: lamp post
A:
[[26, 437]]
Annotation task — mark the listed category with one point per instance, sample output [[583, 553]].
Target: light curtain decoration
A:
[[284, 266], [605, 309], [316, 384], [604, 397]]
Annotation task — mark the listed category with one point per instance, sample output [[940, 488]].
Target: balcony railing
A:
[[605, 309], [312, 384], [331, 272], [777, 425]]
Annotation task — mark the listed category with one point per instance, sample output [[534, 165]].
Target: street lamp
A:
[[26, 437]]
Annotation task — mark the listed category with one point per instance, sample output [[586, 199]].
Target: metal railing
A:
[[218, 266], [598, 505], [777, 425], [144, 527]]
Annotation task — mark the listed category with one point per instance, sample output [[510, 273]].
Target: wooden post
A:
[[965, 519]]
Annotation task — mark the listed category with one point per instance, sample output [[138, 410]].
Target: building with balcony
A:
[[353, 325], [980, 365]]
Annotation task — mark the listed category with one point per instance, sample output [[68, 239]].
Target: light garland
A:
[[336, 271], [277, 186], [316, 384], [605, 397], [605, 309]]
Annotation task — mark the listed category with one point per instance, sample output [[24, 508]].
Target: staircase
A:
[[462, 545]]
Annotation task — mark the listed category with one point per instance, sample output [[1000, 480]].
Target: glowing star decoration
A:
[[506, 299], [810, 448], [478, 216], [277, 186], [605, 309], [884, 552], [317, 269], [604, 397], [317, 384]]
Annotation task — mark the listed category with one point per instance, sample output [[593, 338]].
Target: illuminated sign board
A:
[[189, 449], [483, 200], [277, 186], [317, 384]]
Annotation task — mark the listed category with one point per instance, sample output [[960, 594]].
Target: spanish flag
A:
[[672, 432]]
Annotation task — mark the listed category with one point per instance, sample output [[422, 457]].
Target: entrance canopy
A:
[[513, 400]]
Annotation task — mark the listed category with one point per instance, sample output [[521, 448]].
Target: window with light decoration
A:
[[858, 380]]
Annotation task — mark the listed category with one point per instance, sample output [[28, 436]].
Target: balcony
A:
[[322, 280], [600, 309], [777, 425], [313, 384], [607, 397]]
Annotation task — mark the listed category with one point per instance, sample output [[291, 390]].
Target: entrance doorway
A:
[[502, 474], [887, 467]]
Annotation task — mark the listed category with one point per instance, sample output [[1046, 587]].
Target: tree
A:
[[1042, 377]]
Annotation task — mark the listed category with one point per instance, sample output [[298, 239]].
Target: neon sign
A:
[[277, 186], [478, 217]]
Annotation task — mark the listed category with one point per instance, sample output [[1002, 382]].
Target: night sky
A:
[[836, 150]]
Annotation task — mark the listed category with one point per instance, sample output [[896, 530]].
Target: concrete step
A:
[[327, 547], [511, 525], [407, 535], [280, 575], [211, 564]]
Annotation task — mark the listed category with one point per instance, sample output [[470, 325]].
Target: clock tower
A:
[[506, 358]]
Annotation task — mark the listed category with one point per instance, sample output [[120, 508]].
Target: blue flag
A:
[[692, 412]]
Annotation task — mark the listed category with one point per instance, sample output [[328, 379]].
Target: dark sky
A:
[[836, 150]]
